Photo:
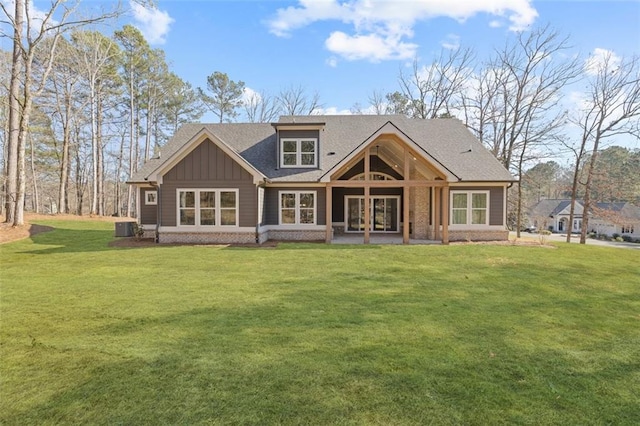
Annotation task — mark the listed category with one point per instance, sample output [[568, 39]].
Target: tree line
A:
[[83, 110]]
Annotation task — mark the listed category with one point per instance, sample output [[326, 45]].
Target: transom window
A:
[[299, 152], [469, 207], [297, 207], [207, 207]]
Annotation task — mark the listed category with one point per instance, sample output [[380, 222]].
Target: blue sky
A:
[[346, 49]]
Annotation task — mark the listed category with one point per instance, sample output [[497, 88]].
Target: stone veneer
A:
[[207, 238], [489, 235], [296, 235], [419, 209]]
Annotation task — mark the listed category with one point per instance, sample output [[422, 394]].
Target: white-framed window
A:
[[469, 208], [151, 198], [301, 152], [207, 207], [627, 229], [297, 207]]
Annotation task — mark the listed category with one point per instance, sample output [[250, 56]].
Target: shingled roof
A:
[[447, 141]]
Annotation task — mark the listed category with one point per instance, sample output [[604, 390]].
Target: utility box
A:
[[124, 229]]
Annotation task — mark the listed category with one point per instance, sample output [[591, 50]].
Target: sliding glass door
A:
[[383, 213]]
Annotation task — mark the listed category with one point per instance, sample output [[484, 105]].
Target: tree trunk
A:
[[100, 157], [34, 180], [15, 110]]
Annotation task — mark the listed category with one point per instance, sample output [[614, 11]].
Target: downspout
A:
[[158, 212]]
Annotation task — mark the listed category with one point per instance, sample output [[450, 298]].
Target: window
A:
[[627, 229], [298, 153], [469, 208], [151, 198], [208, 207], [373, 176], [298, 208]]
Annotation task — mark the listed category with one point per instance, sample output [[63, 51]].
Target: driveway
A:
[[575, 239]]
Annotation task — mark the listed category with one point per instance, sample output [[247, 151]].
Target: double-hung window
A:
[[297, 207], [469, 207], [207, 207], [299, 152]]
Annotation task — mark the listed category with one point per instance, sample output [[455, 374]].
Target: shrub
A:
[[615, 236], [618, 239], [627, 238]]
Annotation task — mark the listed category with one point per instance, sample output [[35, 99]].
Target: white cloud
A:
[[451, 42], [373, 47], [389, 24], [332, 111], [332, 62], [600, 58], [153, 23], [36, 16]]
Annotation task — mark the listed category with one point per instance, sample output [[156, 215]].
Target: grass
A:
[[316, 334]]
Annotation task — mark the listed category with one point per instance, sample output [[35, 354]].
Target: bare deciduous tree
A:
[[612, 108]]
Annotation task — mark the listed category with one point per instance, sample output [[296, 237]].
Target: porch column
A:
[[328, 213], [445, 215], [367, 202], [436, 212], [405, 198]]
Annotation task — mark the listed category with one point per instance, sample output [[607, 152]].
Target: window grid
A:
[[297, 207], [207, 207], [301, 152], [469, 207]]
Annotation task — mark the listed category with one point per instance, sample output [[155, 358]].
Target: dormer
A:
[[298, 143]]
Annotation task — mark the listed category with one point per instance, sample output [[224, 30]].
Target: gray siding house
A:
[[317, 177]]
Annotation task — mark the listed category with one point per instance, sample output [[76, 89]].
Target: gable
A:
[[207, 162]]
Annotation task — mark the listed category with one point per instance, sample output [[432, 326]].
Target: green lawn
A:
[[316, 334]]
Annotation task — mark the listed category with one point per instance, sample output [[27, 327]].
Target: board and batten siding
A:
[[207, 166], [272, 204]]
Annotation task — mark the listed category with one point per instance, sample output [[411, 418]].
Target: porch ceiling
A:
[[392, 151]]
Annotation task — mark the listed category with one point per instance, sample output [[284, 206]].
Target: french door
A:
[[383, 214]]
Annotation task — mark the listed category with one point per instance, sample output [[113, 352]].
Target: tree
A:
[[295, 101], [261, 108], [25, 46], [612, 108], [437, 89], [135, 65], [519, 100], [182, 104], [225, 96], [97, 65]]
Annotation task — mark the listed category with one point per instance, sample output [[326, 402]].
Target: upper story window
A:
[[301, 152]]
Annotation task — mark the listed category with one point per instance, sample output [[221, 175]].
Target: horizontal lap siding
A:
[[496, 201], [148, 213], [207, 166], [272, 205]]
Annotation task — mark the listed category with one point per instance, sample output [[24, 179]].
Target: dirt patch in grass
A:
[[10, 233]]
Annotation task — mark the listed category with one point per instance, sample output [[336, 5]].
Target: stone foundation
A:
[[478, 235], [207, 238], [296, 235]]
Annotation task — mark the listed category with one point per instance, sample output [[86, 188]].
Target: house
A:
[[621, 218], [317, 177]]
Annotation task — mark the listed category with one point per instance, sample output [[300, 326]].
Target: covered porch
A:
[[389, 192]]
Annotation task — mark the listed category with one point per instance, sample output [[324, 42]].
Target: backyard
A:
[[315, 334]]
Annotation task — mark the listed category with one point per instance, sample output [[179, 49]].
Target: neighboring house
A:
[[606, 218], [316, 177], [616, 218]]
